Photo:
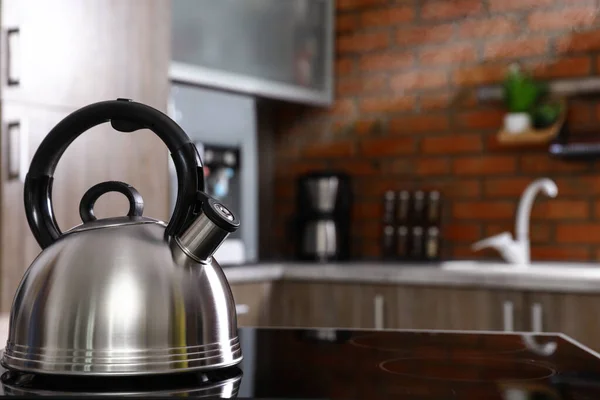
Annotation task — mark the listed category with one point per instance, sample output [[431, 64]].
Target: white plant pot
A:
[[517, 122]]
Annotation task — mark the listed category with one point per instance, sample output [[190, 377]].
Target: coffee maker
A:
[[323, 214]]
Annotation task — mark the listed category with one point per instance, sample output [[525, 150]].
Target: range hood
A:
[[279, 49]]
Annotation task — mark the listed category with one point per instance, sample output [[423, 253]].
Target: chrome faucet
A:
[[517, 251]]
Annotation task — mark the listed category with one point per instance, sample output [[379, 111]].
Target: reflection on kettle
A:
[[224, 385], [520, 391], [124, 291], [545, 349], [324, 335]]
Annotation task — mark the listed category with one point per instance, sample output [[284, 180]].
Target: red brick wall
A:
[[406, 116]]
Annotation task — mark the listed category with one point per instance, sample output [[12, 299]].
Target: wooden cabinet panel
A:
[[374, 305], [419, 307], [99, 155], [571, 314], [317, 304], [350, 305], [312, 304], [442, 308], [507, 311], [72, 52], [22, 130], [254, 298], [301, 304]]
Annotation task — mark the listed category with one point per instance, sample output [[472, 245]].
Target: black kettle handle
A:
[[125, 116]]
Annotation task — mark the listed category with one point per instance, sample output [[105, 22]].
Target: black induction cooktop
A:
[[363, 364]]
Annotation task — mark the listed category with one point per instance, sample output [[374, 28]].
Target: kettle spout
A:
[[203, 236]]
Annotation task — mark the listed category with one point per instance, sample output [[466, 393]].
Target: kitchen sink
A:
[[553, 269]]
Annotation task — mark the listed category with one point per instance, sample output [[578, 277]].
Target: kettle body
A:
[[125, 295]]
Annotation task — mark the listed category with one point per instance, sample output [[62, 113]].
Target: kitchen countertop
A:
[[584, 278]]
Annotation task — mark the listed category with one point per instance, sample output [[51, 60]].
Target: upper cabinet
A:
[[270, 48], [71, 53]]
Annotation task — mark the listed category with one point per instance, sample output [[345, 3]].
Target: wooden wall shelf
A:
[[535, 136], [563, 88], [540, 136]]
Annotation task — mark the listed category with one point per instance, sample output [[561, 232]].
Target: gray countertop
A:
[[582, 278]]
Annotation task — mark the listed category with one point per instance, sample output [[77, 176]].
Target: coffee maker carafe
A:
[[324, 201]]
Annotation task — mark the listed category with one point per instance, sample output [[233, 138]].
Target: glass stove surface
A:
[[355, 364], [366, 364]]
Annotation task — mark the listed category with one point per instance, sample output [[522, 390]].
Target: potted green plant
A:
[[546, 114], [521, 94]]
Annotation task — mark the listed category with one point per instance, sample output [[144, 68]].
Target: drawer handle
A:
[[242, 309], [16, 145], [508, 316], [537, 323], [378, 311], [546, 349], [12, 57]]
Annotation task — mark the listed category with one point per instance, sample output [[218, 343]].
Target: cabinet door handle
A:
[[15, 147], [508, 316], [537, 324], [378, 312], [12, 57], [242, 309]]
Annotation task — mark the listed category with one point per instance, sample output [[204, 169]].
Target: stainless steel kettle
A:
[[127, 295]]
